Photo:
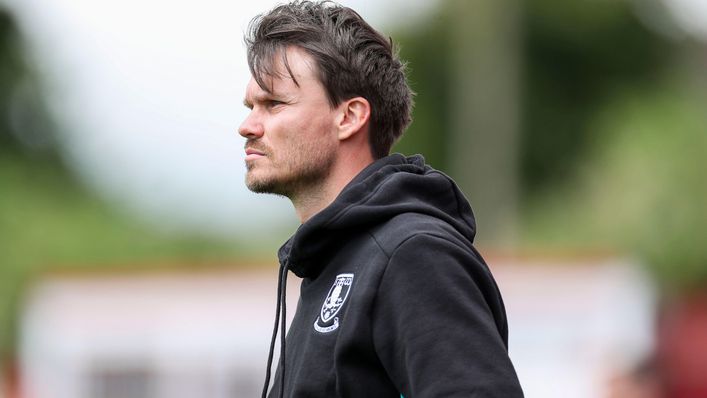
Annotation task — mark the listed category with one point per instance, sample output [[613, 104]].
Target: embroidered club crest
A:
[[332, 304]]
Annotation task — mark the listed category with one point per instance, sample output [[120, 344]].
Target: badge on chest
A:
[[327, 321]]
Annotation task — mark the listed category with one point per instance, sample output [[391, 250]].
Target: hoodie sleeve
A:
[[439, 327]]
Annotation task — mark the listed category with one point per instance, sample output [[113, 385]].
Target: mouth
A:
[[252, 154]]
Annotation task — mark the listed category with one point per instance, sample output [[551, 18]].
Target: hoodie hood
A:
[[391, 186]]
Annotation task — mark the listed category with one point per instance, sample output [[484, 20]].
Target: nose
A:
[[251, 127]]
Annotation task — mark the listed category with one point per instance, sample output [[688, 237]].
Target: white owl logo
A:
[[336, 297]]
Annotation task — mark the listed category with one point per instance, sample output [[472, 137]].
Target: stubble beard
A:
[[301, 175]]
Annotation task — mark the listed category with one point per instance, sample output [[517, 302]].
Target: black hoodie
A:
[[394, 299]]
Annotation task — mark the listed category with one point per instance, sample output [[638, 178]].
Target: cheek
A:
[[299, 136], [321, 129]]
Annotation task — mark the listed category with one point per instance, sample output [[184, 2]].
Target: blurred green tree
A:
[[576, 56], [579, 55], [25, 125], [612, 127]]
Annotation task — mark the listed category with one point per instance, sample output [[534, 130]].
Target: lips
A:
[[252, 153]]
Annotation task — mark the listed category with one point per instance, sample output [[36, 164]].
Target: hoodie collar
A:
[[390, 186]]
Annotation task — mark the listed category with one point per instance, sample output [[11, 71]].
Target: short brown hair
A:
[[352, 60]]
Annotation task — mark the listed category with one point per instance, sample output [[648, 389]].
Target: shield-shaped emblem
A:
[[336, 297]]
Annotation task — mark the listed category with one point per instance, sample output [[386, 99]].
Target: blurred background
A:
[[134, 263]]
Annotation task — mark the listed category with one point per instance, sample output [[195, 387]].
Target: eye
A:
[[274, 103]]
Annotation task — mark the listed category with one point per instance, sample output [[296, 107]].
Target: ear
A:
[[354, 114]]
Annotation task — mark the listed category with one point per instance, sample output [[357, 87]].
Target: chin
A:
[[261, 184], [256, 184]]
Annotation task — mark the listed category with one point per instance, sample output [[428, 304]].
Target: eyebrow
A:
[[260, 98]]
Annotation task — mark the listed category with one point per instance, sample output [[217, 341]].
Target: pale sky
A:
[[691, 15]]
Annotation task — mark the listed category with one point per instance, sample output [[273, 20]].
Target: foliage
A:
[[25, 124], [576, 56], [642, 187], [649, 174], [428, 59], [613, 139]]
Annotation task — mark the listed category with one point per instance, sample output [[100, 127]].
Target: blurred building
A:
[[154, 335], [574, 324]]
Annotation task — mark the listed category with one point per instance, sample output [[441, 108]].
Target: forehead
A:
[[292, 69]]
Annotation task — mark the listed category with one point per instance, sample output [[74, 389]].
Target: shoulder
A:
[[417, 244], [430, 258], [411, 230]]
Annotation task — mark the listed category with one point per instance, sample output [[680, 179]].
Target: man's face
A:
[[291, 137]]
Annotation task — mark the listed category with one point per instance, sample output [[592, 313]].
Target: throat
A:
[[309, 203]]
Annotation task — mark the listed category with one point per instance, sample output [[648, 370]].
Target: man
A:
[[394, 298]]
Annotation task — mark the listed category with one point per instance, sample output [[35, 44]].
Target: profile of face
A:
[[291, 139]]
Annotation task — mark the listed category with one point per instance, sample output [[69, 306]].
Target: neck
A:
[[313, 199], [311, 202]]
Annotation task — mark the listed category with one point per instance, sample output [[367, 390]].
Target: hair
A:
[[352, 60]]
